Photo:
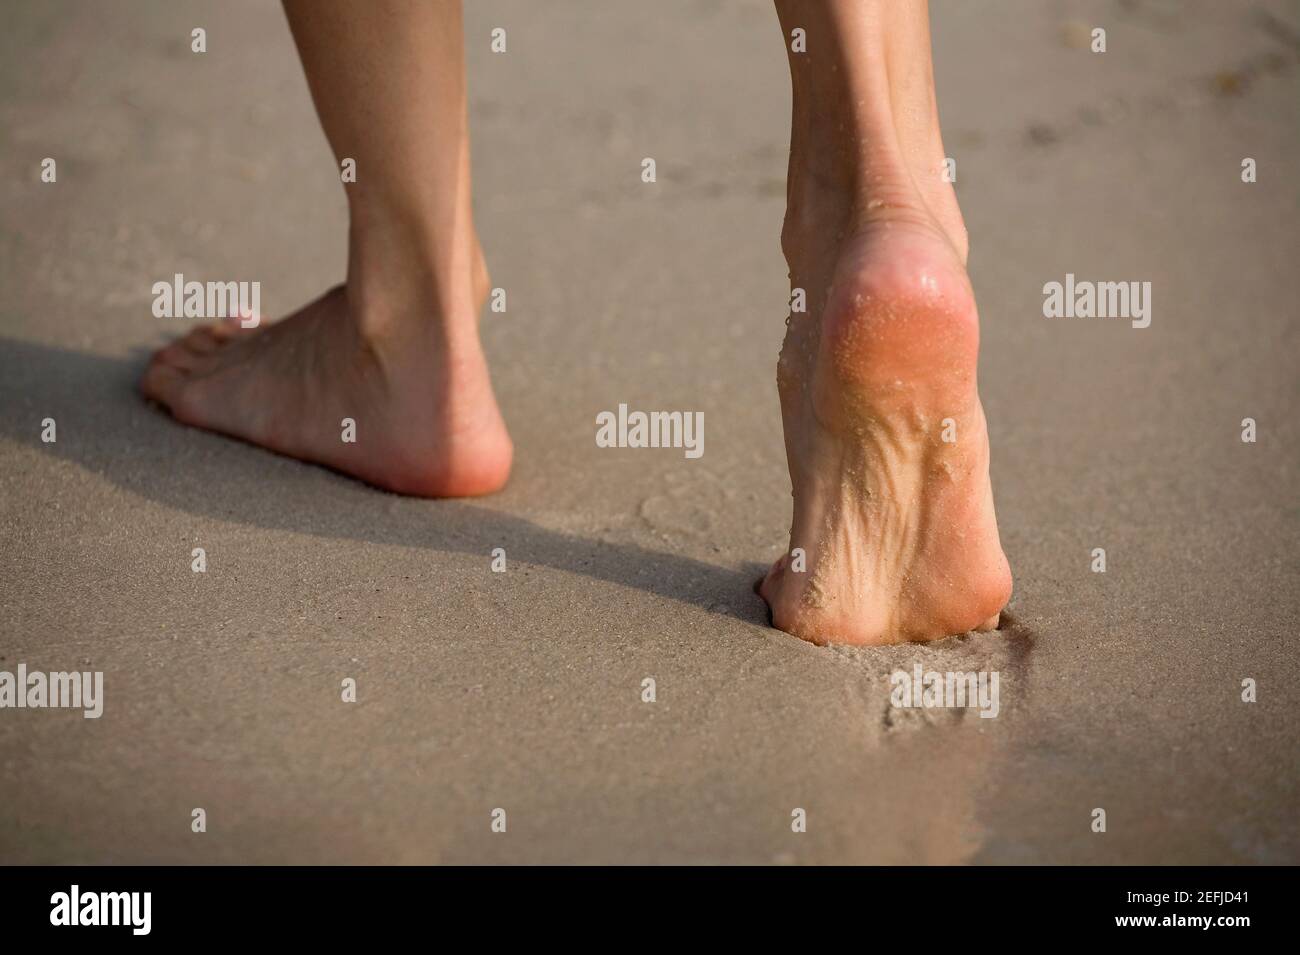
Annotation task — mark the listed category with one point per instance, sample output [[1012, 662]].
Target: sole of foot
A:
[[894, 536]]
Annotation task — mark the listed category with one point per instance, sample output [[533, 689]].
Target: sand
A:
[[523, 690]]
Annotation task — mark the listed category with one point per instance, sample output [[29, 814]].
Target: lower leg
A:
[[865, 124], [396, 349], [885, 435], [388, 81]]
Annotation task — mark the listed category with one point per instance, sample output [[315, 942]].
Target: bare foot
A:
[[887, 446], [395, 352], [414, 384], [893, 536]]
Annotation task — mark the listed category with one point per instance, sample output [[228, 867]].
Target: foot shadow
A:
[[104, 426]]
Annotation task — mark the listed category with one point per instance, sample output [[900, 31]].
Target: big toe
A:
[[163, 382], [205, 339], [194, 351], [768, 586], [224, 330]]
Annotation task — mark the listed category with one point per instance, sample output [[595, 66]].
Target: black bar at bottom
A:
[[664, 904]]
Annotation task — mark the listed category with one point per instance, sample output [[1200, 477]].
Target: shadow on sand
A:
[[104, 426]]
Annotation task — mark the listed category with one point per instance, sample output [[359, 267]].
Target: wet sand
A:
[[523, 690]]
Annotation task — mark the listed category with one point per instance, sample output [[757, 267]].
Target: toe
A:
[[203, 340], [224, 330], [768, 587], [193, 351], [178, 355], [162, 383]]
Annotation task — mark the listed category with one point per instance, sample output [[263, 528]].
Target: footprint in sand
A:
[[992, 670], [689, 507]]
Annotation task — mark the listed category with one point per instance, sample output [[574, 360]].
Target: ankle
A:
[[406, 283], [865, 144], [823, 212]]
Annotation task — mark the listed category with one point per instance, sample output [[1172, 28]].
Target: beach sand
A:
[[523, 690]]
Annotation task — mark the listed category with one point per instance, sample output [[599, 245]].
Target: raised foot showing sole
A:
[[894, 536]]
